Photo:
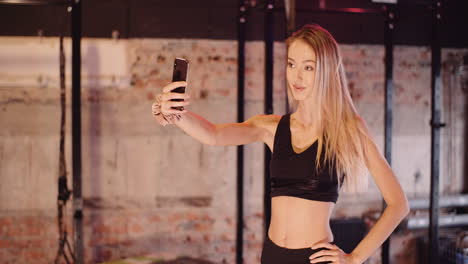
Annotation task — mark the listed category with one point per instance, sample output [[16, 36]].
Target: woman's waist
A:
[[301, 236], [300, 223], [293, 207]]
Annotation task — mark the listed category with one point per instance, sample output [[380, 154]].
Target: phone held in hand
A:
[[179, 74]]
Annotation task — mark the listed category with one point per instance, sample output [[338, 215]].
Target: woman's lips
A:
[[298, 88]]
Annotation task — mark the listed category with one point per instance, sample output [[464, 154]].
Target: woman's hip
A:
[[276, 254]]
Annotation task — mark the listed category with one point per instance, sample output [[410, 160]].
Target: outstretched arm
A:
[[198, 127], [221, 134]]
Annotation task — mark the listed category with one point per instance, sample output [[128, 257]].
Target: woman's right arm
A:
[[249, 131], [227, 134]]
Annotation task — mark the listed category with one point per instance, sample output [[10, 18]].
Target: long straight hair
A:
[[340, 130]]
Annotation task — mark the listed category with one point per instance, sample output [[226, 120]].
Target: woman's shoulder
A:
[[266, 122]]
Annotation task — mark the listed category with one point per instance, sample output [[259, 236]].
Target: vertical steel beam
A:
[[268, 40], [241, 30], [290, 12], [435, 133], [388, 114], [76, 131]]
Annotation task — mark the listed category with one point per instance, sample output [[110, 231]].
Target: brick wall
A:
[[154, 190]]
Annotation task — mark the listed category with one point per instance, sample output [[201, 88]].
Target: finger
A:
[[169, 96], [173, 85], [324, 245], [324, 252], [176, 103], [323, 259], [173, 111], [168, 108]]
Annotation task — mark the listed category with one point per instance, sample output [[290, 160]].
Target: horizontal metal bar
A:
[[36, 2], [445, 201], [357, 11], [444, 221]]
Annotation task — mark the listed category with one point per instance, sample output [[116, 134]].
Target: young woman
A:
[[322, 138]]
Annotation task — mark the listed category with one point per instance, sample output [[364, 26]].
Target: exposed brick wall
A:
[[154, 190], [27, 238]]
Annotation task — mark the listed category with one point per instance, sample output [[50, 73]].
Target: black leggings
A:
[[275, 254]]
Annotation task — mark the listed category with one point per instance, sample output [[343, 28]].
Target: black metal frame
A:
[[436, 125], [269, 87], [76, 131], [270, 9], [241, 32], [269, 42], [76, 113], [357, 11], [389, 12], [37, 2], [388, 114]]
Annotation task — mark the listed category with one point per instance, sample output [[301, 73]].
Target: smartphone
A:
[[179, 74]]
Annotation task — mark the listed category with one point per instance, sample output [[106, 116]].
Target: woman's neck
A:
[[304, 115]]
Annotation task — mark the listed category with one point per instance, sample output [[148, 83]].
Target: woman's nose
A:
[[299, 75]]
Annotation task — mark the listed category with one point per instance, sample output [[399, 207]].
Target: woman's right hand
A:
[[163, 103], [167, 95]]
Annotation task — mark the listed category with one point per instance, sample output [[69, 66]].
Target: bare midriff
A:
[[299, 223]]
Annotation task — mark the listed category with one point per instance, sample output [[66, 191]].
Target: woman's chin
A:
[[299, 97]]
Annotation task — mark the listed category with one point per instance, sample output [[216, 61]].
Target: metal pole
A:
[[290, 12], [240, 118], [388, 114], [435, 134], [269, 19], [76, 130]]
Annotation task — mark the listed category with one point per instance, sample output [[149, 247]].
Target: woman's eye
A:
[[290, 64], [309, 68]]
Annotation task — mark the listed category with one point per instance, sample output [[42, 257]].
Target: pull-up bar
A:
[[37, 2], [357, 11]]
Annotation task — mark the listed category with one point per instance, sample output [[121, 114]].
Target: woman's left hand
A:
[[333, 253]]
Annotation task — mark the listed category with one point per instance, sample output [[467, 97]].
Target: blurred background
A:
[[151, 193]]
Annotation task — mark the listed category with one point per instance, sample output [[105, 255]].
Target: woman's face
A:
[[300, 70]]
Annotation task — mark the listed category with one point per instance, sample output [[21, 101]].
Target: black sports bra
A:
[[293, 174]]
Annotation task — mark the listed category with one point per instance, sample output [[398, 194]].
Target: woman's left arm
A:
[[393, 194], [397, 208]]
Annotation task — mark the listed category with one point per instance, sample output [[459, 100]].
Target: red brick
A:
[[175, 217], [4, 243], [136, 228], [100, 229], [5, 221], [106, 254], [155, 218], [34, 255]]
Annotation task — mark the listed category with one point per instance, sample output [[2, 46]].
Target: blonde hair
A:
[[340, 128]]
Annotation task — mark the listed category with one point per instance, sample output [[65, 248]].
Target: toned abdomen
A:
[[299, 223]]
